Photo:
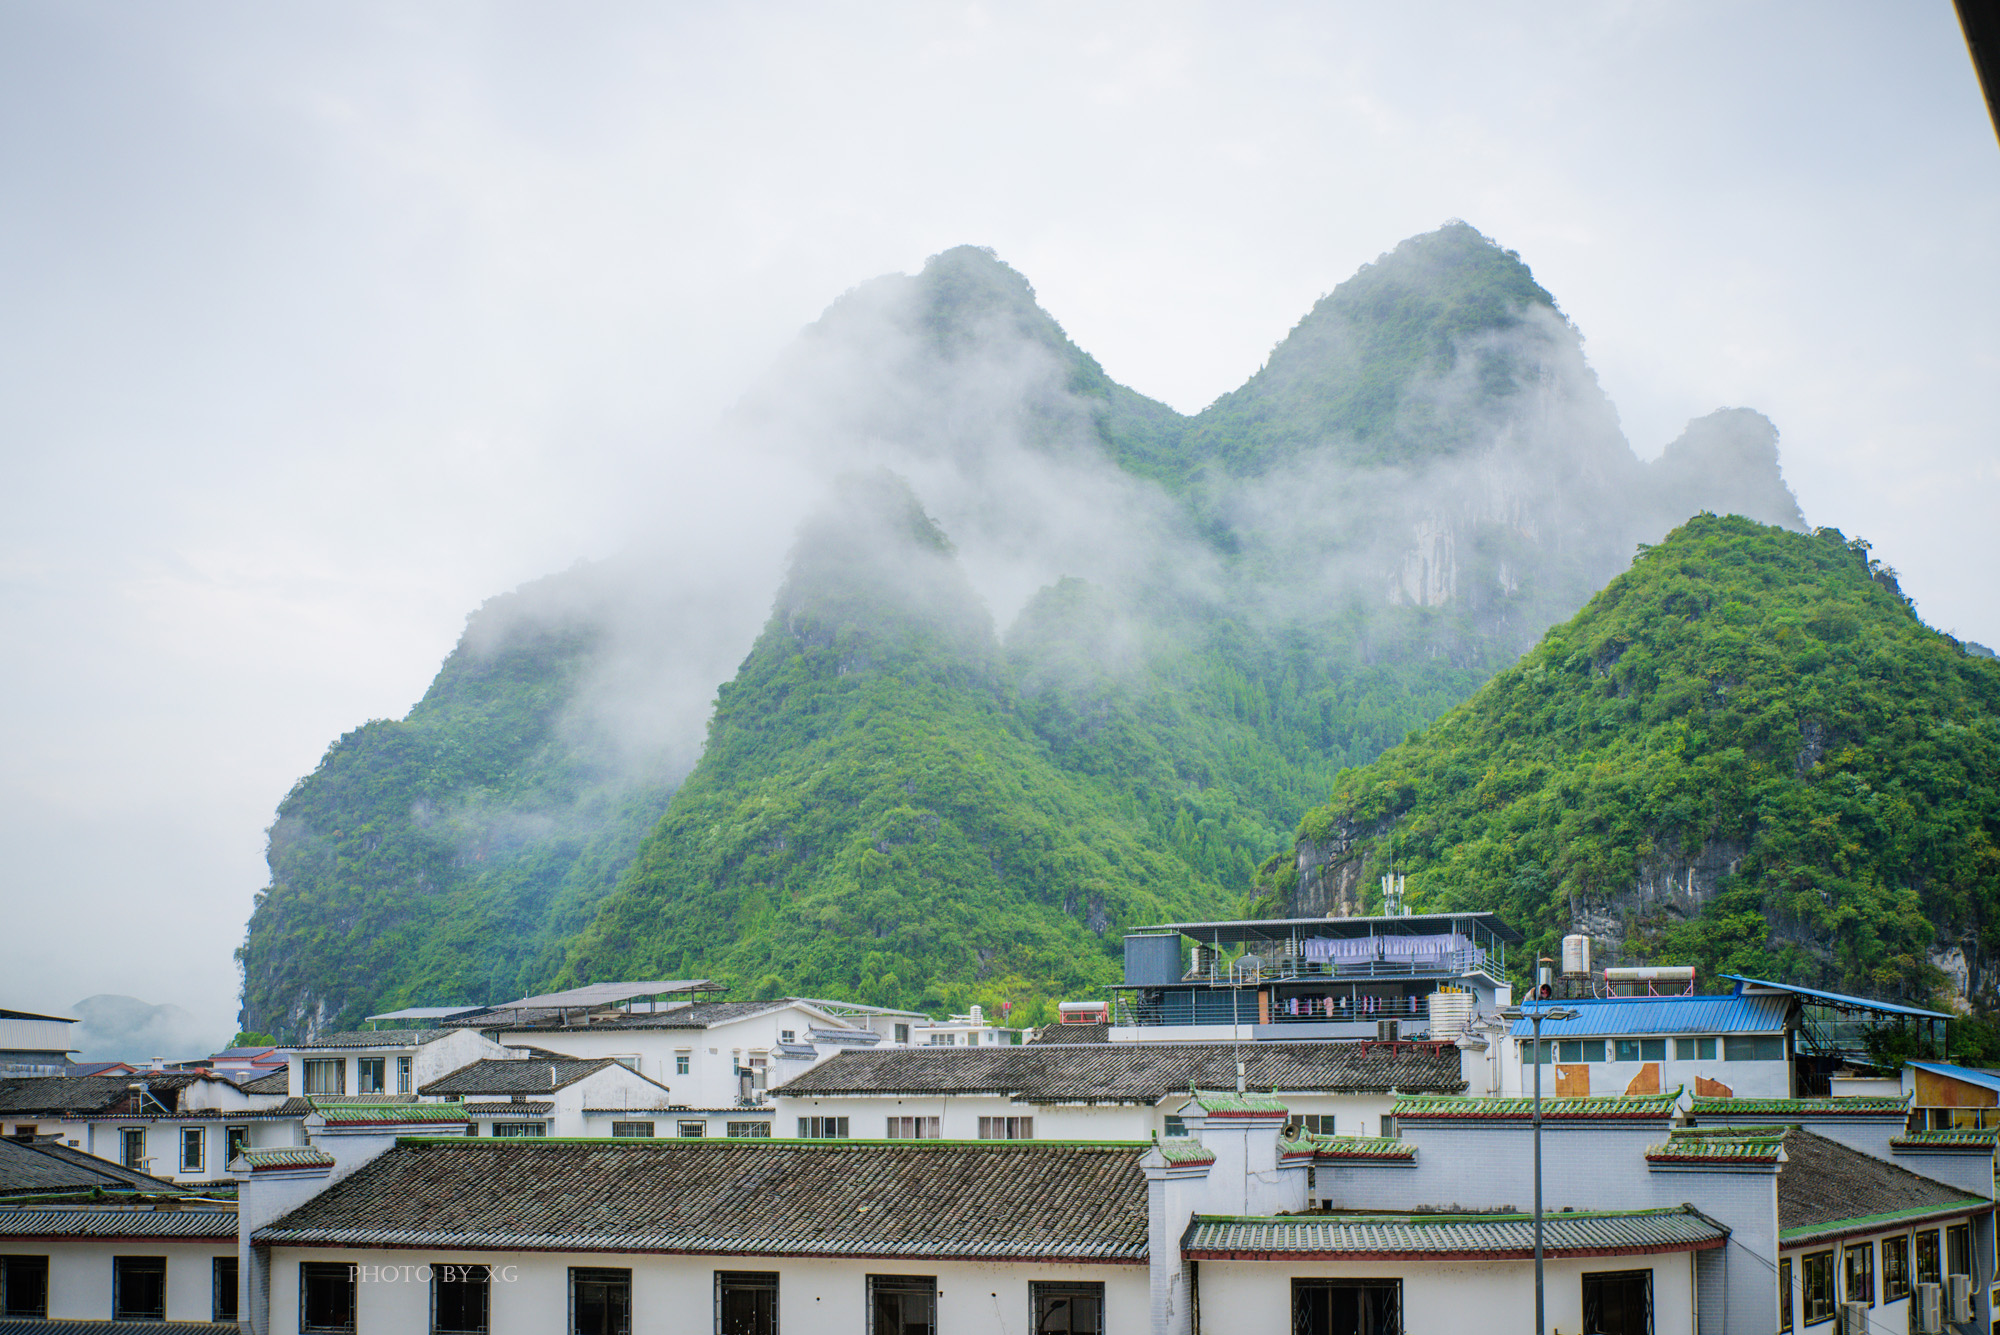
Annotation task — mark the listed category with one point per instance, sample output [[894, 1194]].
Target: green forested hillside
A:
[[873, 817], [1745, 689], [894, 801]]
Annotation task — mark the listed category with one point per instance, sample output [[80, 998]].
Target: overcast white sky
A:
[[320, 323]]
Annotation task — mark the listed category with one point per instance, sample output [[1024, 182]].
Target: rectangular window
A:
[[691, 1130], [1006, 1128], [132, 1147], [902, 1305], [630, 1061], [1958, 1250], [1641, 1050], [913, 1128], [748, 1130], [1694, 1049], [460, 1299], [235, 1140], [403, 1081], [903, 1034], [1754, 1048], [24, 1286], [600, 1302], [1618, 1302], [680, 1063], [1628, 1050], [326, 1075], [1860, 1267], [746, 1302], [1784, 1294], [520, 1128], [1337, 1306], [1817, 1271], [222, 1289], [1078, 1309], [192, 1140], [1928, 1269], [760, 1071], [822, 1128], [787, 1036], [1572, 1050], [1177, 1125], [369, 1075], [1895, 1269], [138, 1288], [326, 1296], [940, 1040], [632, 1130]]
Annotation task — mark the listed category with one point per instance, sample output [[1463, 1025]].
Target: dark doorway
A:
[[1347, 1307], [1618, 1302], [746, 1302]]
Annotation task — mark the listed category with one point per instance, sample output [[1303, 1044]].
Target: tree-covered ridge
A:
[[1344, 374], [1765, 696], [873, 817], [437, 858]]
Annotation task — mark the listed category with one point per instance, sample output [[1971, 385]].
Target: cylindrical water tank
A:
[[1651, 973], [1450, 1012], [1576, 956]]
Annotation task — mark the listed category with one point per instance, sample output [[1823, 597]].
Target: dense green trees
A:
[[1764, 695]]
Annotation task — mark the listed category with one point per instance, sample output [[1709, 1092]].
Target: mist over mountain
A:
[[1160, 637]]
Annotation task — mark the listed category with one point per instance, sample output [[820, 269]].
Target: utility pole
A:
[[1535, 1015]]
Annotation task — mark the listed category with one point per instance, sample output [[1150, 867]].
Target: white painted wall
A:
[[713, 1054], [80, 1273], [959, 1114], [428, 1061], [1745, 1079], [1255, 1297], [104, 1138], [530, 1295]]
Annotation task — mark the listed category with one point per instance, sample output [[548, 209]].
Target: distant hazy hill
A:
[[1200, 622], [1745, 753]]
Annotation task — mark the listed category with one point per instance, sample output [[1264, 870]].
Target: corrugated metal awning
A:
[[1623, 1017], [1466, 1237]]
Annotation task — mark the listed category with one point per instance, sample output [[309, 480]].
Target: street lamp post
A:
[[1535, 1015]]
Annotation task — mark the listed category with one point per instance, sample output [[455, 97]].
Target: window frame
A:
[[1865, 1251], [823, 1128], [1753, 1047], [128, 1159], [683, 1062], [121, 1266], [364, 1067], [1958, 1238], [8, 1298], [235, 1140], [624, 1130], [324, 1270], [1785, 1322], [600, 1275], [690, 1128], [1695, 1048], [1008, 1128], [405, 1071], [915, 1127], [1040, 1289], [753, 1130], [314, 1070], [1824, 1261], [908, 1285], [749, 1281], [217, 1287], [901, 1034], [196, 1136], [1896, 1279], [441, 1273], [1934, 1273], [520, 1129], [1602, 1275]]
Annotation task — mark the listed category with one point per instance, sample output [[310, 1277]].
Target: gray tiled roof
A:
[[1071, 1033], [500, 1075], [278, 1158], [694, 1015], [1459, 1236], [1825, 1189], [277, 1082], [934, 1199], [53, 1095], [507, 1109], [43, 1166], [1133, 1072], [375, 1038], [118, 1223]]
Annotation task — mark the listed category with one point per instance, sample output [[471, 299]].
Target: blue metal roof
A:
[[1985, 1079], [1617, 1017], [1838, 998]]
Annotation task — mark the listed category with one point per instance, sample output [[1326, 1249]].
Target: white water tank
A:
[[1576, 956], [1450, 1012]]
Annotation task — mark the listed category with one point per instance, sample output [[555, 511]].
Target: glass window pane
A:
[[138, 1288], [1652, 1049], [222, 1279], [459, 1298], [24, 1286], [600, 1301], [746, 1302], [326, 1296]]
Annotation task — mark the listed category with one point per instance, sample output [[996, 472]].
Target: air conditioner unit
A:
[[1851, 1319], [1958, 1298], [1927, 1310]]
